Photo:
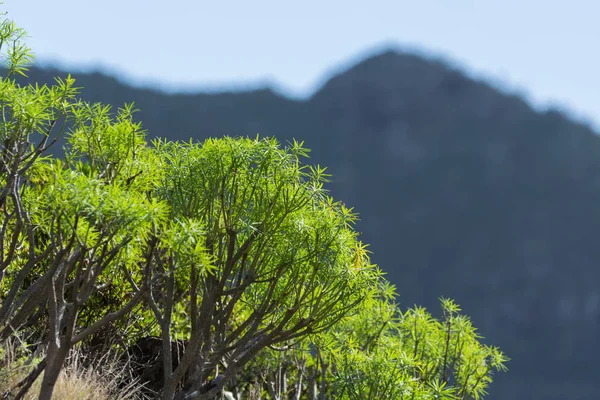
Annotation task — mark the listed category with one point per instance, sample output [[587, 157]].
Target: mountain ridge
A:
[[429, 57]]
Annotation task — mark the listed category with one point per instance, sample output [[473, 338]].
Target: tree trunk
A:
[[298, 387], [57, 353], [312, 386], [323, 389], [169, 388]]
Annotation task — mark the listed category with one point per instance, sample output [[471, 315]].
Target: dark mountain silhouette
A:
[[463, 191]]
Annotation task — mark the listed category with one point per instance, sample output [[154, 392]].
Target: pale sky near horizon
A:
[[544, 49]]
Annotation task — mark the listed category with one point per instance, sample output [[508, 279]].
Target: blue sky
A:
[[547, 50]]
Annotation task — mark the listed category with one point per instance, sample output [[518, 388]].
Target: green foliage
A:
[[278, 218], [380, 352], [383, 353], [15, 53]]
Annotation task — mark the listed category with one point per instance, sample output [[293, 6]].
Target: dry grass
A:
[[81, 379]]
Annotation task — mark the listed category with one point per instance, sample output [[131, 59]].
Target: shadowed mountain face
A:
[[463, 192]]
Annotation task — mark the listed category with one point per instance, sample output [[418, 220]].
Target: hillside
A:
[[463, 192]]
